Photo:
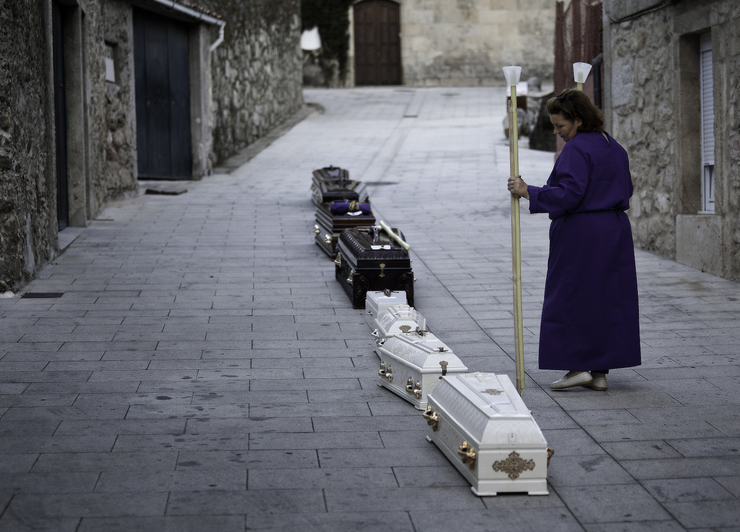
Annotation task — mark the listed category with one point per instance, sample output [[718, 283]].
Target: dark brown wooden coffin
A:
[[333, 184], [368, 259]]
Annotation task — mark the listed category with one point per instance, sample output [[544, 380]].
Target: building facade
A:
[[448, 42], [96, 94], [672, 97]]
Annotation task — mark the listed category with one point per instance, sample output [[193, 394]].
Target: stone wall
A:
[[101, 183], [466, 42], [725, 18], [652, 108], [119, 139], [27, 186], [642, 120], [257, 71]]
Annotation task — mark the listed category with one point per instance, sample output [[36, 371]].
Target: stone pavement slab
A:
[[203, 370]]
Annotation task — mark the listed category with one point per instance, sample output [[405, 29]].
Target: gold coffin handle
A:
[[394, 236], [432, 418], [550, 452], [316, 229], [386, 373], [414, 390], [467, 454], [417, 391]]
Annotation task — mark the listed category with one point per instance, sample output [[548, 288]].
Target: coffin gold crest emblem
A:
[[514, 465]]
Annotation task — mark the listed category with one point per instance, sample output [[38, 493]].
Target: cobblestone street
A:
[[203, 370]]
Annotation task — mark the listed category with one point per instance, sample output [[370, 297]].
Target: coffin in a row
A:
[[369, 259]]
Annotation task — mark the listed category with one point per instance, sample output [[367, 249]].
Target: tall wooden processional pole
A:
[[512, 74]]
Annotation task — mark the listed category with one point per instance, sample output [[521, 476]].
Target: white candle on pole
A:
[[580, 73], [512, 75]]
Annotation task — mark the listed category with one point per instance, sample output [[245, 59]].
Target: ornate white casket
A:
[[411, 365], [377, 302], [398, 319], [484, 428]]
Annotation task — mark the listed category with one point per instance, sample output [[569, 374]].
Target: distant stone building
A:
[[95, 94], [672, 97], [448, 42]]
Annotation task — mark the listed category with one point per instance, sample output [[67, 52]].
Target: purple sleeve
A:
[[565, 187]]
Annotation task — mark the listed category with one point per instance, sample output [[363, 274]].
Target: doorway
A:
[[60, 116], [161, 63], [377, 32]]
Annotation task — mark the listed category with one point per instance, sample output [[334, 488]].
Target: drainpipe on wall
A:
[[217, 42], [597, 79]]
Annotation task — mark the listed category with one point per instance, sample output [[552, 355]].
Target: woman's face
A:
[[565, 128]]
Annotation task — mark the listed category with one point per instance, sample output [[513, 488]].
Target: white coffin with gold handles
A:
[[412, 364], [377, 302], [481, 424], [398, 319]]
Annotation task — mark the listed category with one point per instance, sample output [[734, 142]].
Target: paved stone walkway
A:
[[203, 370]]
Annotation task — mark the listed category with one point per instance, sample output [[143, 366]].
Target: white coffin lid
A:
[[376, 303], [423, 352], [489, 408], [398, 319], [380, 300]]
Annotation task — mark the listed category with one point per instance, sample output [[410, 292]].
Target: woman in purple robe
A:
[[590, 321]]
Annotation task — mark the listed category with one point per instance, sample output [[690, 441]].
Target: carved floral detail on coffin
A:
[[477, 416], [421, 352], [361, 242], [400, 318], [514, 465]]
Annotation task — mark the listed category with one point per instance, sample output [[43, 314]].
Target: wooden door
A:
[[377, 30], [161, 63]]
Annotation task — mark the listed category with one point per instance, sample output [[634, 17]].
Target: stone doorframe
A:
[[76, 85], [201, 43]]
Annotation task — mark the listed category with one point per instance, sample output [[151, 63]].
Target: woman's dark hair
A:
[[572, 104]]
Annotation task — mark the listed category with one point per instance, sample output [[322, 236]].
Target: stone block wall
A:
[[725, 19], [652, 108], [466, 42], [257, 71], [118, 176], [27, 186], [643, 121], [100, 183]]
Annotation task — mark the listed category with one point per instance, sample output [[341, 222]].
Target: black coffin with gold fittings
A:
[[373, 259], [333, 184], [329, 225]]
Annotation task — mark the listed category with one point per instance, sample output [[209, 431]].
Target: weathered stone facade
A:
[[238, 94], [466, 42], [257, 71], [119, 142], [653, 109], [27, 187]]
